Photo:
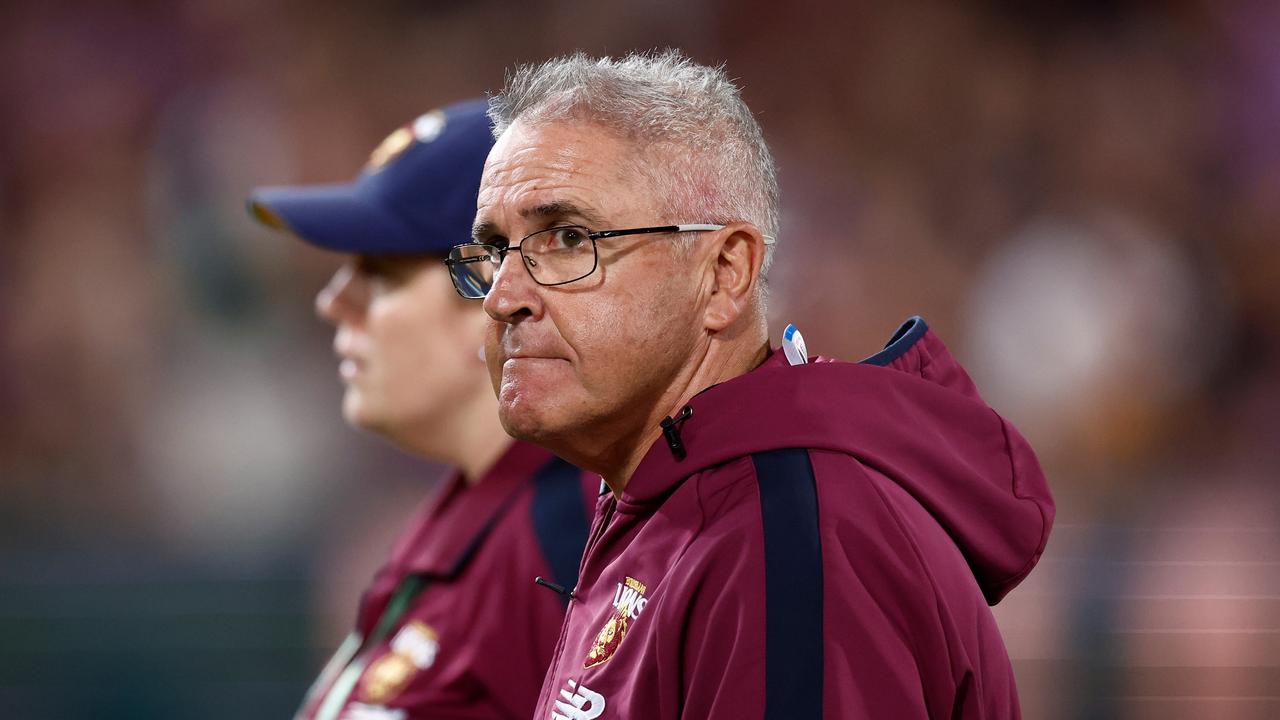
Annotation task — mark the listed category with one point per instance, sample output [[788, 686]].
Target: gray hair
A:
[[715, 165]]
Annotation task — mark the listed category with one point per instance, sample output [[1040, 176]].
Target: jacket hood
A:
[[911, 413]]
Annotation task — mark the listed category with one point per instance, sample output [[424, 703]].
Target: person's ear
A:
[[737, 256]]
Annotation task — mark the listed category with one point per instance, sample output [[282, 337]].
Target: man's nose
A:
[[344, 297], [514, 294]]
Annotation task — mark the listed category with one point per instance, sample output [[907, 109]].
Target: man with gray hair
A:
[[785, 536]]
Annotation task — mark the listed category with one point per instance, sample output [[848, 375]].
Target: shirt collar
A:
[[441, 538]]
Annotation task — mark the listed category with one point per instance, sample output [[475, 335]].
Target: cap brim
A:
[[334, 217]]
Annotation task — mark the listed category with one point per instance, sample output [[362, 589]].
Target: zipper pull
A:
[[559, 589], [671, 431]]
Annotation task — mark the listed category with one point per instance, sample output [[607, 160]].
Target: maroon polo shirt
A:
[[818, 541], [453, 625]]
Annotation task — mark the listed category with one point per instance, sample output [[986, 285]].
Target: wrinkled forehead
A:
[[567, 170]]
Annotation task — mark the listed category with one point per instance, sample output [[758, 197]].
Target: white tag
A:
[[793, 346]]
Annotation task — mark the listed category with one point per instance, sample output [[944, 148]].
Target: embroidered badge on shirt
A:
[[413, 648], [628, 602]]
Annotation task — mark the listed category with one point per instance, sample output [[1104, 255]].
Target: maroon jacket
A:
[[826, 549], [467, 633]]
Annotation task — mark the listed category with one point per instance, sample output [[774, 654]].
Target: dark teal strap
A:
[[341, 689]]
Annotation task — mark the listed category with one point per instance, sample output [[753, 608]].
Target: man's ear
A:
[[738, 255]]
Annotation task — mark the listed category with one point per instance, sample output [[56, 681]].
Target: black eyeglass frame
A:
[[593, 235]]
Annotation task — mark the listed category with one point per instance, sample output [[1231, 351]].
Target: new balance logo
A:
[[578, 702]]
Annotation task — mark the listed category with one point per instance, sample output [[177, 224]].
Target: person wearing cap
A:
[[453, 624], [787, 537]]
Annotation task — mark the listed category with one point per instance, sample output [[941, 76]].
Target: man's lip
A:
[[531, 358]]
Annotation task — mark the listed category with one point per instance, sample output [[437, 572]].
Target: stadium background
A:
[[1084, 202]]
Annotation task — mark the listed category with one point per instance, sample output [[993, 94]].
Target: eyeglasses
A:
[[555, 256]]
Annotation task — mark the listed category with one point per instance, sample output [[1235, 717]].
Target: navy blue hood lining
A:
[[907, 335]]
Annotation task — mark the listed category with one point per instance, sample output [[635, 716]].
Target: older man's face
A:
[[583, 364]]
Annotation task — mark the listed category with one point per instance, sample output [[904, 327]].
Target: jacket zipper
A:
[[605, 518]]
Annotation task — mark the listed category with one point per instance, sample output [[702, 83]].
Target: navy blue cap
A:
[[417, 194]]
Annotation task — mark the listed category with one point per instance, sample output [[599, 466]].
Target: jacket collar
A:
[[797, 400]]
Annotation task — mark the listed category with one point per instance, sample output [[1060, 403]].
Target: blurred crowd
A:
[[1083, 199]]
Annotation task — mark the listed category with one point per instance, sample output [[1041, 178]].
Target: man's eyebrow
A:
[[486, 229], [561, 209], [483, 230]]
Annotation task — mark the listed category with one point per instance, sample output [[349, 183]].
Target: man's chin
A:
[[520, 423], [528, 399], [524, 421]]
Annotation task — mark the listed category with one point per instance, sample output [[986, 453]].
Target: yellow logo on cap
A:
[[424, 129], [390, 148]]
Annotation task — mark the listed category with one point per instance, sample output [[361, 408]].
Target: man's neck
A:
[[720, 362]]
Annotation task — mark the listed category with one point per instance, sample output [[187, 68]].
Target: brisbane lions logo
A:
[[628, 602]]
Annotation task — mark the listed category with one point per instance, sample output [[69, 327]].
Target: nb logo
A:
[[578, 703]]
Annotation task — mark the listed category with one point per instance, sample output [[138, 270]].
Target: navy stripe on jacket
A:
[[793, 585]]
